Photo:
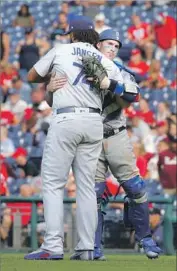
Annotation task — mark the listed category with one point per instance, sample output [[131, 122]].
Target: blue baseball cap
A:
[[110, 34], [80, 23]]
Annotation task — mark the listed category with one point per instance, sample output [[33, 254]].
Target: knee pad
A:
[[135, 189]]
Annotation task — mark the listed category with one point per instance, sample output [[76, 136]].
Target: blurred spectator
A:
[[162, 130], [167, 167], [31, 48], [142, 131], [36, 151], [162, 2], [148, 5], [7, 147], [24, 17], [7, 72], [137, 65], [5, 47], [7, 118], [28, 50], [91, 2], [5, 215], [100, 25], [165, 33], [58, 37], [20, 134], [28, 167], [124, 2], [172, 130], [163, 111], [23, 88], [3, 177], [71, 193], [64, 7], [154, 79], [133, 138], [60, 27], [156, 224], [91, 7], [45, 113], [172, 119], [31, 136], [145, 113], [15, 104], [71, 190], [141, 34], [62, 22], [163, 145], [173, 85], [5, 222], [141, 161], [23, 171], [37, 96]]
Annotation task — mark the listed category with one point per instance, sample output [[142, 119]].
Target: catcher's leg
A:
[[136, 214], [100, 186]]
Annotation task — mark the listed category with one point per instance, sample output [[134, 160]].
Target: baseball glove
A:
[[94, 70]]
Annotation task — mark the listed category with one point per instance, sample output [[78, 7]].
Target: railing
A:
[[167, 224]]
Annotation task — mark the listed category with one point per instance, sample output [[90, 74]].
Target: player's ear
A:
[[98, 45]]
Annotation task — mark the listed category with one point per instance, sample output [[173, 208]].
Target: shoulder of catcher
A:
[[122, 67]]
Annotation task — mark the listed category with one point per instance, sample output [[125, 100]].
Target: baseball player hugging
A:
[[74, 140]]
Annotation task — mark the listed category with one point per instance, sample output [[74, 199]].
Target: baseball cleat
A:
[[82, 255], [151, 249], [43, 255], [98, 255]]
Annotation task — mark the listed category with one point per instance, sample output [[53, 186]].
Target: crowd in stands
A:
[[148, 34]]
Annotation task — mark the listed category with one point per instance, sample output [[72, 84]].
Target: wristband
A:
[[116, 88]]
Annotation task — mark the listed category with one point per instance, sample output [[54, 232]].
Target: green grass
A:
[[15, 262]]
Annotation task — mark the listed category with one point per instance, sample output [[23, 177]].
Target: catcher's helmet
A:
[[110, 34]]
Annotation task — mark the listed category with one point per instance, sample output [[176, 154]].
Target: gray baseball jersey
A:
[[66, 60], [112, 112]]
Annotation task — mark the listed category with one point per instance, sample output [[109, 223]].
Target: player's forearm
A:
[[34, 77]]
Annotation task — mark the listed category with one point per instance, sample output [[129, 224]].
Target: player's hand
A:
[[56, 82], [95, 72]]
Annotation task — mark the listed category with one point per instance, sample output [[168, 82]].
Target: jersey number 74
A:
[[81, 77]]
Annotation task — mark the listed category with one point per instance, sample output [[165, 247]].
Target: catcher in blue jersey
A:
[[117, 153]]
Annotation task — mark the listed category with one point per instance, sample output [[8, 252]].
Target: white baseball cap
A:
[[100, 17]]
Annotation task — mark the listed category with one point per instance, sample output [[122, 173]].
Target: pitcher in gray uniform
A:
[[74, 139]]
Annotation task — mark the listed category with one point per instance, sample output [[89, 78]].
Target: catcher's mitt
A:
[[94, 70]]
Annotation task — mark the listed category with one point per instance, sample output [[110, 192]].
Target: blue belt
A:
[[78, 110]]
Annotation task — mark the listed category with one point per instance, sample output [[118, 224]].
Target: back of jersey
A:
[[78, 91], [67, 60]]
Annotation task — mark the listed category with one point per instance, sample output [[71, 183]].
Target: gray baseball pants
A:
[[117, 155], [73, 139]]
